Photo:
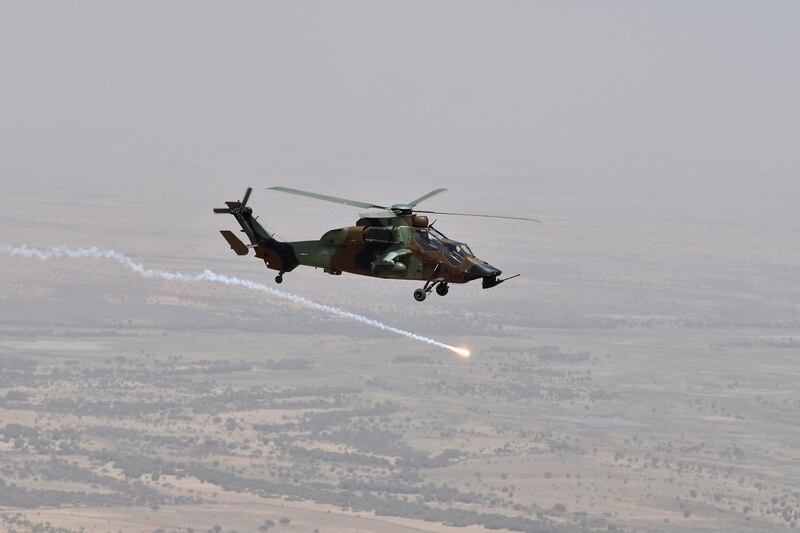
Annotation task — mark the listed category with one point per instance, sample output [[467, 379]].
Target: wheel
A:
[[419, 295], [279, 278], [442, 289]]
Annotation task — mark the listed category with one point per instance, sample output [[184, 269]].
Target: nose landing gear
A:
[[279, 278]]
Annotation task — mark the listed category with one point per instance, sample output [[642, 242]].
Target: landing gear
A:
[[279, 278], [420, 294], [442, 289]]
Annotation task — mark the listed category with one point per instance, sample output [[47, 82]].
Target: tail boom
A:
[[276, 255]]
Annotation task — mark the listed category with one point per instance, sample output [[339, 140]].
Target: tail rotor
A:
[[235, 207]]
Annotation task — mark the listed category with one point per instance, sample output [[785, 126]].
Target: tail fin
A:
[[244, 216], [277, 255]]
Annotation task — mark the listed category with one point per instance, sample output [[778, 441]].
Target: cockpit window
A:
[[427, 240], [456, 252], [437, 233]]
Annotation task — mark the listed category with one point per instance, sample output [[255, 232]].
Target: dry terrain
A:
[[634, 380]]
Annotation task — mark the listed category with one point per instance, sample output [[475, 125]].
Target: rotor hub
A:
[[402, 209]]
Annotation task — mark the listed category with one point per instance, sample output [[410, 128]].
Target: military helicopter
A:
[[394, 242]]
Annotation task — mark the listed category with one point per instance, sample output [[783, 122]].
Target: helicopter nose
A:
[[482, 270]]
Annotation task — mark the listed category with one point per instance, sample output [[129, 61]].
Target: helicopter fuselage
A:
[[385, 248], [397, 246], [391, 252]]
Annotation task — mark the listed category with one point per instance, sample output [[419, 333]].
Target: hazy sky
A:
[[635, 93]]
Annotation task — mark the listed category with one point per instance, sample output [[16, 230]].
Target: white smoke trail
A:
[[209, 276]]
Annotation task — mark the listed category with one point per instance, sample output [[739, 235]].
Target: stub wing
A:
[[390, 262]]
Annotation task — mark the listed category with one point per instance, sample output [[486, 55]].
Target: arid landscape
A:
[[640, 375], [644, 380]]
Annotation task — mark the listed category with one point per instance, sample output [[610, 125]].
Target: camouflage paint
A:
[[382, 247]]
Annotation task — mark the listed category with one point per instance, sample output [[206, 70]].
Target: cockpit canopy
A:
[[428, 240], [456, 252], [431, 240]]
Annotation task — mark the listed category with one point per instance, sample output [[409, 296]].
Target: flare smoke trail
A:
[[207, 275]]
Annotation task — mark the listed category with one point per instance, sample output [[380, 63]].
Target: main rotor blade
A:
[[426, 196], [476, 215], [246, 196], [325, 197]]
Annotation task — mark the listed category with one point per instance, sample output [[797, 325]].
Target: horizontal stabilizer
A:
[[236, 245]]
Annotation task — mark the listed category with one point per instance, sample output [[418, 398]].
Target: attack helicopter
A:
[[390, 242]]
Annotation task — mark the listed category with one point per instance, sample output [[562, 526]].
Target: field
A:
[[641, 377]]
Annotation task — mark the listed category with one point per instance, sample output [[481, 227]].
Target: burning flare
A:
[[463, 352], [209, 276]]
